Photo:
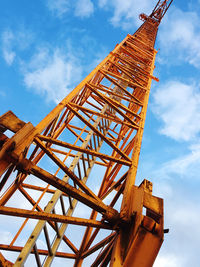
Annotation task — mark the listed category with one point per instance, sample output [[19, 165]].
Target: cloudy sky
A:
[[47, 47]]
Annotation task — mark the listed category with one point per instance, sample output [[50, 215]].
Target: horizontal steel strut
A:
[[95, 131]]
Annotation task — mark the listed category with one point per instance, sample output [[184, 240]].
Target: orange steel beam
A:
[[32, 202], [87, 151], [103, 117], [73, 156], [52, 217], [39, 188], [40, 251], [94, 203], [132, 173], [4, 262]]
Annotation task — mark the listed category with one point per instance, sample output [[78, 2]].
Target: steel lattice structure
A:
[[97, 129]]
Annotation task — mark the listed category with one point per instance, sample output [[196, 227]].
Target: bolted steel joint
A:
[[24, 166]]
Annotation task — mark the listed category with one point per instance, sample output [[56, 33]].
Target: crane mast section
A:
[[96, 130]]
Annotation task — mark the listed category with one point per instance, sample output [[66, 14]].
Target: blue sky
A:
[[47, 47]]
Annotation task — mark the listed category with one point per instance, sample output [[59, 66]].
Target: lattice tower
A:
[[94, 131]]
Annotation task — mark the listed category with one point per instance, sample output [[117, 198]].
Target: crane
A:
[[77, 168]]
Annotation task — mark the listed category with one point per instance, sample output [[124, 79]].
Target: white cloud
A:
[[126, 13], [186, 166], [84, 8], [184, 219], [167, 261], [52, 73], [180, 35], [181, 208], [58, 7], [14, 41], [81, 8], [102, 3], [182, 215], [7, 40], [6, 237], [178, 106]]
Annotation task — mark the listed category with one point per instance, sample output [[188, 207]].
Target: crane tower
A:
[[74, 173]]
